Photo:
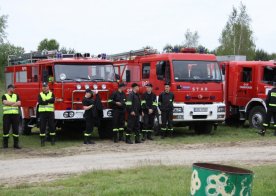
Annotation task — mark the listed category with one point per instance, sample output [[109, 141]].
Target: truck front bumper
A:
[[199, 112], [77, 114]]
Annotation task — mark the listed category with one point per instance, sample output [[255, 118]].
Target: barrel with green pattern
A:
[[220, 180]]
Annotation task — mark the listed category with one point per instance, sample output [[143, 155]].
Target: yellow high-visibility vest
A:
[[10, 109], [46, 108]]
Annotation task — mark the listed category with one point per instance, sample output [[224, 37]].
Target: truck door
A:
[[245, 87], [47, 75], [162, 75], [145, 74]]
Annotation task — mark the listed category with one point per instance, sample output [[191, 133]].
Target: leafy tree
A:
[[167, 48], [191, 39], [3, 25], [46, 44], [65, 50], [261, 55], [237, 36]]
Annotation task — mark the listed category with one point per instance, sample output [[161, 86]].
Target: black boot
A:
[[89, 141], [85, 140], [275, 133], [262, 132], [42, 141], [53, 140], [149, 135], [5, 142], [121, 135], [15, 143], [115, 136], [163, 134], [137, 139], [144, 138], [128, 140]]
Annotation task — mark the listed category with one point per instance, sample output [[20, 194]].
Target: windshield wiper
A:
[[85, 79], [97, 79]]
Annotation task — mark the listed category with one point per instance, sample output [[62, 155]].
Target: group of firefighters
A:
[[133, 104]]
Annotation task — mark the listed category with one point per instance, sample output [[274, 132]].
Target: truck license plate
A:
[[200, 109]]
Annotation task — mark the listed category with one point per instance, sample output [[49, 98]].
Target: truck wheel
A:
[[257, 117], [24, 128], [203, 128], [105, 129]]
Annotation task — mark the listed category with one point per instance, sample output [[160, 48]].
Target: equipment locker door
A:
[[245, 87]]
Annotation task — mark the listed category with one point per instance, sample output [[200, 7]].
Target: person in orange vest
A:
[[46, 100], [11, 104]]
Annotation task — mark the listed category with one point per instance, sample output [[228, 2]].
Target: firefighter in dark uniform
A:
[[89, 115], [271, 110], [11, 103], [165, 102], [46, 100], [133, 105], [118, 103], [149, 108]]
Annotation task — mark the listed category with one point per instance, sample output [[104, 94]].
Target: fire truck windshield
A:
[[84, 72], [196, 71]]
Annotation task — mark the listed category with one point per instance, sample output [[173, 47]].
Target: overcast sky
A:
[[113, 26]]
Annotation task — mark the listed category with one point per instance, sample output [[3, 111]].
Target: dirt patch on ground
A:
[[30, 165]]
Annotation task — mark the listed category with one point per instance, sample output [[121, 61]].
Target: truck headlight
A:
[[86, 86], [221, 108], [177, 110], [103, 86], [78, 86], [95, 86]]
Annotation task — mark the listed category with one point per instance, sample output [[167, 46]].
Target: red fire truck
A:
[[68, 77], [246, 86], [195, 80]]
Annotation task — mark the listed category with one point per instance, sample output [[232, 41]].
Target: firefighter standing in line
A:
[[165, 102], [271, 110], [149, 107], [46, 100], [11, 102], [89, 115], [133, 105], [117, 102]]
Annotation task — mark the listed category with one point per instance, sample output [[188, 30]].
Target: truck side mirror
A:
[[223, 69], [127, 75]]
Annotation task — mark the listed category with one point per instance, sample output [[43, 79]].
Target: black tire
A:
[[256, 117], [24, 129], [203, 128], [105, 129]]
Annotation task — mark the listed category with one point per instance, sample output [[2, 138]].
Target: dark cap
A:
[[121, 85], [88, 91], [148, 85], [10, 86], [44, 84], [167, 83], [134, 85]]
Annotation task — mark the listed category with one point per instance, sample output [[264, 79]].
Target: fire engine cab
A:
[[68, 76], [246, 86], [195, 79]]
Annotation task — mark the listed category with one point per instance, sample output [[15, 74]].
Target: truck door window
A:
[[145, 70], [247, 74], [163, 70], [134, 73], [21, 76], [269, 75], [34, 75], [9, 78]]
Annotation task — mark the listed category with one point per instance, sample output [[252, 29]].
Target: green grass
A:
[[182, 136], [151, 180]]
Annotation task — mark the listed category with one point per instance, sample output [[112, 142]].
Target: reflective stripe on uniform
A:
[[42, 135], [273, 94], [264, 124], [52, 134], [10, 109], [143, 102], [115, 129], [163, 129], [121, 129], [129, 103], [127, 134], [155, 103], [272, 105], [87, 134], [109, 100], [6, 135], [15, 135]]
